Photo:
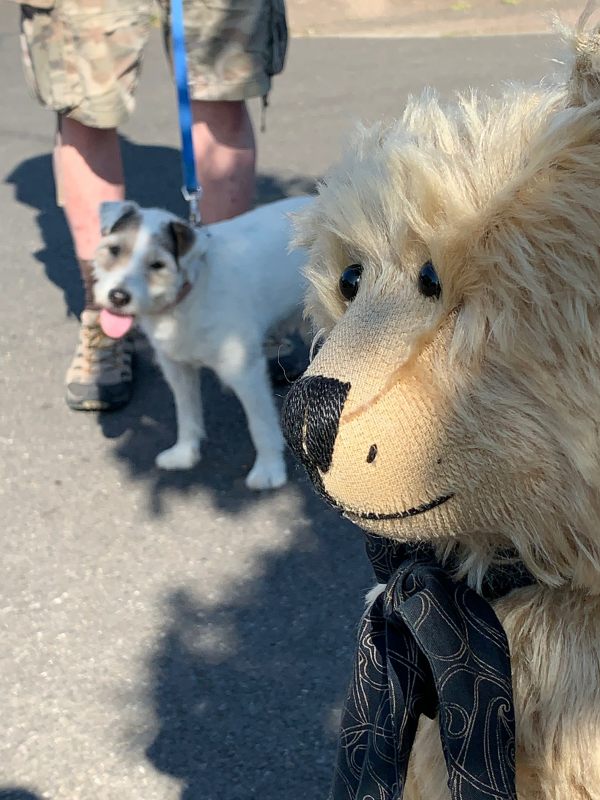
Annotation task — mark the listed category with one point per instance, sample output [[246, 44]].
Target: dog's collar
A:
[[186, 288]]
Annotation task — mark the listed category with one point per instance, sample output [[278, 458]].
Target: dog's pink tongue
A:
[[114, 325]]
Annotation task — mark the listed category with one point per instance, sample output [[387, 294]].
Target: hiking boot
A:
[[99, 378], [287, 357]]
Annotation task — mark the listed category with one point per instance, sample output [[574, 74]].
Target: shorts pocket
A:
[[49, 58], [110, 49]]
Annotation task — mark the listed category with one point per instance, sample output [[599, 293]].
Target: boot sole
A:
[[79, 404]]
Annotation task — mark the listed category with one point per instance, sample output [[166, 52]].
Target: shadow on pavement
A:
[[246, 694], [147, 426], [243, 692]]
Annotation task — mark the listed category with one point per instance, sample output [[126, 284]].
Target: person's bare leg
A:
[[225, 156], [88, 170]]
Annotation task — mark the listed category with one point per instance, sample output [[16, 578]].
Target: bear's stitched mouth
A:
[[410, 512]]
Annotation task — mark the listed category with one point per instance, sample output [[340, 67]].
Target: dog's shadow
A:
[[147, 425]]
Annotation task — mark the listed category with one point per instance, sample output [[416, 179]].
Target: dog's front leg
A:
[[185, 385], [251, 385]]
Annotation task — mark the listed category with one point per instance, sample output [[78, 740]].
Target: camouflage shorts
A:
[[83, 57]]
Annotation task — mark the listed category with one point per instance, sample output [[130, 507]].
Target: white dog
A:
[[205, 298]]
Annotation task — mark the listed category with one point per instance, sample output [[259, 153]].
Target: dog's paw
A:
[[180, 456], [267, 473]]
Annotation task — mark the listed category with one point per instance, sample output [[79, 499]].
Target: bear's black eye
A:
[[429, 283], [156, 265], [350, 281], [114, 250]]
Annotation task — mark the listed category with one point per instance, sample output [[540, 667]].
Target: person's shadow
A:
[[147, 425], [16, 793]]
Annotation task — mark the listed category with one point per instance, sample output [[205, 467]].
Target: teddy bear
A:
[[452, 411]]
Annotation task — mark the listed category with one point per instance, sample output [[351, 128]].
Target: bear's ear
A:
[[584, 81]]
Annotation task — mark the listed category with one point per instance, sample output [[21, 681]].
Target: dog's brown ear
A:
[[182, 238], [114, 215], [584, 81]]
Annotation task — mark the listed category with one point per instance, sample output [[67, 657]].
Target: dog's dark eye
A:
[[350, 281], [156, 265], [114, 250], [429, 283]]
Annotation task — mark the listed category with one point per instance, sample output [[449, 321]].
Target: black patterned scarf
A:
[[429, 645]]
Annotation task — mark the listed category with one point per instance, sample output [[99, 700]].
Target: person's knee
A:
[[74, 132], [226, 120]]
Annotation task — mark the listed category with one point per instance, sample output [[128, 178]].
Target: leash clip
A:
[[193, 199]]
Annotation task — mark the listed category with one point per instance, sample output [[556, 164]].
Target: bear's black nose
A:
[[311, 415], [119, 297]]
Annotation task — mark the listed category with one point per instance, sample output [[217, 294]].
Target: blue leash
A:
[[191, 189]]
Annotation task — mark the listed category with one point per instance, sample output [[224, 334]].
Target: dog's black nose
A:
[[311, 415], [119, 297]]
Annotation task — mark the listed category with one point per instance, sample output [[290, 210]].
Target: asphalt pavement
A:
[[175, 636]]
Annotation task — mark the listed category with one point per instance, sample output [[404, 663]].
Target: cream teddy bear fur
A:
[[481, 397]]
